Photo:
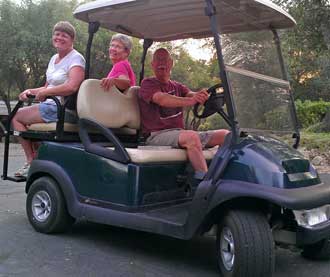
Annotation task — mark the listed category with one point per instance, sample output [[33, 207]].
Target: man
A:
[[161, 101]]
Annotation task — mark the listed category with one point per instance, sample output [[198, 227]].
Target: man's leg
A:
[[26, 116], [217, 138], [190, 140]]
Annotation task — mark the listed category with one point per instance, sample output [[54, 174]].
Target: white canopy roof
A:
[[163, 20]]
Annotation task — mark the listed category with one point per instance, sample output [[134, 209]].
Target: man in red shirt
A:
[[161, 103]]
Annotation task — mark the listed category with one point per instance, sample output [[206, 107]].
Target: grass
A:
[[320, 141]]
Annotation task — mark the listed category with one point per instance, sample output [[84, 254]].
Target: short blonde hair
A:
[[66, 27]]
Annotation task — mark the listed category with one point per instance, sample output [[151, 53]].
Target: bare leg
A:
[[26, 116], [190, 140], [35, 146], [217, 138]]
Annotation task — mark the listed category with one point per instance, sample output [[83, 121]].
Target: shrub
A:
[[311, 112]]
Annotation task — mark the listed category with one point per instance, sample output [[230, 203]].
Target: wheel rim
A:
[[41, 206], [227, 248]]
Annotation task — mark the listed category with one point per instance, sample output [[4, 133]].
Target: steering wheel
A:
[[213, 104]]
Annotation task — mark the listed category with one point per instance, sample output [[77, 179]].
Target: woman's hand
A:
[[41, 95], [107, 83], [23, 96]]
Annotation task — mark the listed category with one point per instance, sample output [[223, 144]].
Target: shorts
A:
[[48, 113], [170, 137]]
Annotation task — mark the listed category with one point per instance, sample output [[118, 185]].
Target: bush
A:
[[213, 122], [311, 112]]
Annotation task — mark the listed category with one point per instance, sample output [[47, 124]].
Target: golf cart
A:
[[258, 192]]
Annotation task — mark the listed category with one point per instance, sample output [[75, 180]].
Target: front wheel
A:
[[46, 207], [245, 246], [317, 251]]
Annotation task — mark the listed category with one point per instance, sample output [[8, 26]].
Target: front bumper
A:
[[310, 235]]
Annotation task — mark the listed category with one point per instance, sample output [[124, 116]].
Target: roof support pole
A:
[[285, 76], [211, 12], [221, 159], [93, 27], [146, 44], [7, 142]]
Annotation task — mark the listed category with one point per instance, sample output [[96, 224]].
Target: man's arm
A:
[[171, 101]]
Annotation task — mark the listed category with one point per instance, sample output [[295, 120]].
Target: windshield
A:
[[261, 96]]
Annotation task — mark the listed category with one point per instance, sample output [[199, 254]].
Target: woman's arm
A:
[[23, 96], [76, 76], [122, 82]]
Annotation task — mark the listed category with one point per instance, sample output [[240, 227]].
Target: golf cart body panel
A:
[[152, 197], [264, 183], [128, 184], [269, 162], [170, 20]]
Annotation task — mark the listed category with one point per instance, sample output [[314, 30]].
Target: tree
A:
[[26, 30], [307, 47], [8, 34]]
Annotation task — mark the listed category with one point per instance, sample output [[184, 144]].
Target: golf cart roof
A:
[[164, 20]]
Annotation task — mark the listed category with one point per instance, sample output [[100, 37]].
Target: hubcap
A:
[[41, 205], [227, 248]]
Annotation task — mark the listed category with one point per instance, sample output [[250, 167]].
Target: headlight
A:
[[308, 218]]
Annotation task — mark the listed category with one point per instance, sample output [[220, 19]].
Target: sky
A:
[[195, 49]]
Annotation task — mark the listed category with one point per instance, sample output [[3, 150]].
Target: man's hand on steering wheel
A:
[[201, 96], [212, 104]]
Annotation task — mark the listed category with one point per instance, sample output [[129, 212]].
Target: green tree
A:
[[9, 56], [26, 30], [307, 47]]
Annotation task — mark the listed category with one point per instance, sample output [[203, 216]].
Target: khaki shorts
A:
[[170, 137]]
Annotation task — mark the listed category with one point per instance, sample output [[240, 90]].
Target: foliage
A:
[[311, 112], [307, 48], [319, 141], [26, 30], [213, 122]]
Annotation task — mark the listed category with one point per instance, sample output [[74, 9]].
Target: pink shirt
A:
[[155, 117], [122, 68]]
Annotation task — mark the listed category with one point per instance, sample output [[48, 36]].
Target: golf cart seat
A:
[[51, 127], [56, 131], [86, 108], [113, 109]]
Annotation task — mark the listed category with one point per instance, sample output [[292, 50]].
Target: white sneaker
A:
[[23, 171]]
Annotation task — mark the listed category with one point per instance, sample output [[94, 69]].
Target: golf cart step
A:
[[176, 214], [14, 179]]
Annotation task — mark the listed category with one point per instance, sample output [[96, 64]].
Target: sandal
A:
[[23, 171]]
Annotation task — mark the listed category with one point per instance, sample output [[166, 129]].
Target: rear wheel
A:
[[46, 207], [317, 251], [245, 245]]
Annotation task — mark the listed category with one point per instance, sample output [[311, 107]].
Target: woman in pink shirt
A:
[[121, 74]]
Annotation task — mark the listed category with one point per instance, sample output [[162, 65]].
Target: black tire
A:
[[245, 246], [317, 251], [46, 207]]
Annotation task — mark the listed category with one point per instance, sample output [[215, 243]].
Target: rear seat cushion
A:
[[49, 127], [112, 109], [69, 127]]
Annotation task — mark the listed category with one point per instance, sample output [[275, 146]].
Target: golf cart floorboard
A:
[[176, 215]]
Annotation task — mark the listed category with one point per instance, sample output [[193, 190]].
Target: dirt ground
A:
[[321, 160]]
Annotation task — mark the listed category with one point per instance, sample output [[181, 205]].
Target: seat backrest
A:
[[113, 109]]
